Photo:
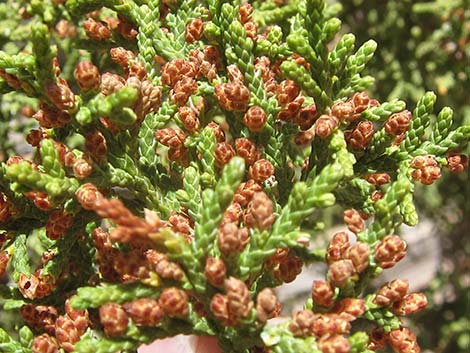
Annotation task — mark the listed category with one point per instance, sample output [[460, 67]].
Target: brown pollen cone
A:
[[352, 218], [239, 301], [398, 123], [232, 239], [259, 212], [224, 152], [233, 96], [410, 304], [337, 247], [322, 293], [45, 344], [302, 323], [215, 271], [334, 344], [340, 272], [247, 150], [361, 136], [402, 340], [267, 305], [391, 292], [261, 170], [457, 162], [325, 125], [245, 192], [358, 253], [390, 250], [114, 319], [144, 311], [194, 30], [87, 76], [174, 302], [255, 118]]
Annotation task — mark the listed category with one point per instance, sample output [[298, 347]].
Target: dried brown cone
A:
[[334, 344], [255, 118], [410, 304], [189, 118], [358, 253], [45, 344], [337, 247], [234, 73], [96, 30], [182, 90], [323, 293], [194, 30], [259, 212], [457, 163], [215, 271], [174, 302], [326, 125], [352, 218], [360, 137], [67, 333], [111, 83], [233, 96], [398, 123], [391, 292], [341, 272], [224, 152], [361, 102], [377, 339], [40, 317], [390, 250], [289, 268], [87, 76], [261, 170], [232, 239], [262, 63], [114, 319], [238, 295], [144, 312], [35, 286], [402, 340], [58, 224], [175, 70], [267, 305], [302, 323]]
